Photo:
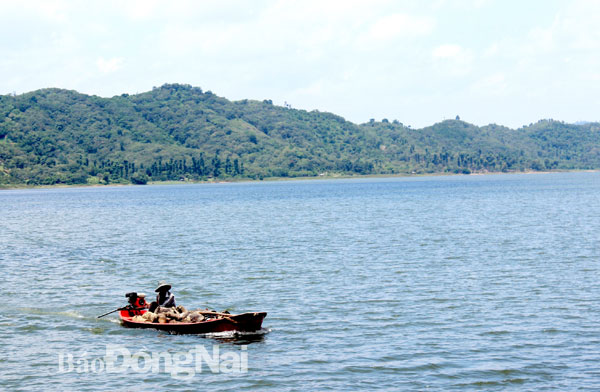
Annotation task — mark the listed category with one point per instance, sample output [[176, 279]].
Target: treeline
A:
[[108, 171], [179, 132], [466, 163], [196, 169]]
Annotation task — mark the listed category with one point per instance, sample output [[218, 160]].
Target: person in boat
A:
[[164, 298]]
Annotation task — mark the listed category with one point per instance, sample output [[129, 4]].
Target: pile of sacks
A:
[[179, 314]]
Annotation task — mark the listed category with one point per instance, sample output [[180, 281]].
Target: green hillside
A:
[[175, 132]]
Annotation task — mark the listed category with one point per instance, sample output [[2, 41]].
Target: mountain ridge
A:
[[176, 131]]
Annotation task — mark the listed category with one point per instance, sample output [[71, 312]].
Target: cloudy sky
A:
[[506, 62]]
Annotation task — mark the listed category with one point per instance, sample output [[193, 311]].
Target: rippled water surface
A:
[[441, 283]]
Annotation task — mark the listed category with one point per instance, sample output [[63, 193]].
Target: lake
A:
[[441, 283]]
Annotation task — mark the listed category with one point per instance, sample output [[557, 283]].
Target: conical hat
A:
[[163, 287]]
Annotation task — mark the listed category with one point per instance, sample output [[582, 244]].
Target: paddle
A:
[[112, 311], [128, 307]]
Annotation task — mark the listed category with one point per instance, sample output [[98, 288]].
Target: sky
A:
[[416, 61]]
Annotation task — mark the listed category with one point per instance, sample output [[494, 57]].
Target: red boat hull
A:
[[244, 322]]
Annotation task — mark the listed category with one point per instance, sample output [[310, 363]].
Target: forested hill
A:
[[177, 132]]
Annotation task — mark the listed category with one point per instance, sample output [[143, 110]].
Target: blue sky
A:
[[505, 62]]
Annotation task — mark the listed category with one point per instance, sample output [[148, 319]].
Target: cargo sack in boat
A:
[[139, 319], [196, 317], [173, 316], [150, 317], [162, 309]]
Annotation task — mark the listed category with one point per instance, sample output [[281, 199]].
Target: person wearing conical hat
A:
[[164, 297]]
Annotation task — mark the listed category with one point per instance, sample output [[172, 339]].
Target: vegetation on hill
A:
[[175, 132]]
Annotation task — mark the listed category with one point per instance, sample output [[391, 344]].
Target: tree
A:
[[139, 178]]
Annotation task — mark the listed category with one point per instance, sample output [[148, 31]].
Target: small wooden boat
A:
[[244, 322]]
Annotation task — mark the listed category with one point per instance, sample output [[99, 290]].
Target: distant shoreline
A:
[[275, 179]]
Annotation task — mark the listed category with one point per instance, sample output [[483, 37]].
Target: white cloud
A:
[[109, 65], [141, 9], [494, 84], [541, 39], [52, 10], [574, 28], [579, 24], [447, 51], [491, 50], [481, 3], [452, 59], [393, 26], [63, 42], [460, 4]]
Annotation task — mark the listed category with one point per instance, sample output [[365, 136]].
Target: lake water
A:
[[440, 283]]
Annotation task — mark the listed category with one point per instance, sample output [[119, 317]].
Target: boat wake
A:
[[225, 334], [235, 335], [46, 312]]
